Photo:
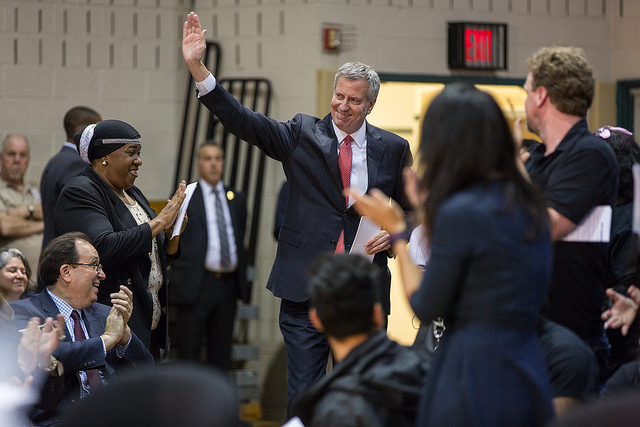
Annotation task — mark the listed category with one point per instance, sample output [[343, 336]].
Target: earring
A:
[[104, 163]]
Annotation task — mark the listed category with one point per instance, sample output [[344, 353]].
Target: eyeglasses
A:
[[605, 131], [97, 267]]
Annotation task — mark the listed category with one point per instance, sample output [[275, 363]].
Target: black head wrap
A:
[[102, 138]]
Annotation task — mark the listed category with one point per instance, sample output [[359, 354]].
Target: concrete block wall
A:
[[119, 57]]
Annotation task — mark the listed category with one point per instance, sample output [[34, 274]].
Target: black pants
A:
[[211, 318]]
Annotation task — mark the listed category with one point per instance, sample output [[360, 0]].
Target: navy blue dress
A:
[[489, 285]]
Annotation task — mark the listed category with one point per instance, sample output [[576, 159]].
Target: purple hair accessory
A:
[[605, 131]]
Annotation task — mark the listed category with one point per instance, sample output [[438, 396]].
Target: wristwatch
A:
[[55, 368], [31, 208]]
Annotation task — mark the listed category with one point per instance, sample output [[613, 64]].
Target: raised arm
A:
[[193, 46]]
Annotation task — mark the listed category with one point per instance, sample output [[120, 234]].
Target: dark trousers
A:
[[212, 318], [307, 349], [571, 364]]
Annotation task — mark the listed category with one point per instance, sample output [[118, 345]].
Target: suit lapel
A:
[[375, 154], [196, 210], [93, 322], [328, 144], [51, 310]]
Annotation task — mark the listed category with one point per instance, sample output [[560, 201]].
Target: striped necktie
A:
[[225, 256]]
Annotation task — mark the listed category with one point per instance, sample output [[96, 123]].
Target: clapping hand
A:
[[623, 309], [122, 301], [38, 343], [380, 209]]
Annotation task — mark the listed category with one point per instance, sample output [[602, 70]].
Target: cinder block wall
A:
[[119, 57]]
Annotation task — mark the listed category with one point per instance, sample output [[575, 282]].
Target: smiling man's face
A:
[[350, 104], [85, 280]]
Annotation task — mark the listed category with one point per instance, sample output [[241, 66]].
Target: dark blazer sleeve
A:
[[276, 139], [281, 208], [136, 354], [75, 356]]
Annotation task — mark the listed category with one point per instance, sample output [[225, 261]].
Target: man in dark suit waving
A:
[[321, 158], [211, 272], [98, 340]]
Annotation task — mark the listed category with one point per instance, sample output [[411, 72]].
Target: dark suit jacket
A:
[[81, 355], [186, 273], [308, 149], [66, 164], [281, 209], [88, 205]]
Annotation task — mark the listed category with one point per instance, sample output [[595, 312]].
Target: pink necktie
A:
[[344, 162]]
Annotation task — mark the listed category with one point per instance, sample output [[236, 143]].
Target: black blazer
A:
[[88, 205], [81, 355], [66, 164], [307, 147], [186, 272]]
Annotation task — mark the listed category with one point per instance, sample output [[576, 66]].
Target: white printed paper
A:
[[595, 227], [366, 230], [183, 208]]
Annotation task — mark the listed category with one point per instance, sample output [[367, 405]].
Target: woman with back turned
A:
[[489, 269]]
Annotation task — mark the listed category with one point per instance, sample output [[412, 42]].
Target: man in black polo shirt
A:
[[576, 173]]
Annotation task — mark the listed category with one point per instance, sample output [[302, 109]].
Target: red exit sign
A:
[[477, 46]]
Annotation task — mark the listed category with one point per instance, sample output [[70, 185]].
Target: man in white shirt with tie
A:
[[210, 274], [318, 217]]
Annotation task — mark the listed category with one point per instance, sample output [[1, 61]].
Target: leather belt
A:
[[220, 274]]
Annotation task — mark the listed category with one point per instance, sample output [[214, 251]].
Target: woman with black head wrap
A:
[[104, 204]]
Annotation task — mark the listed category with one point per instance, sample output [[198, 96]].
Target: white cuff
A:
[[206, 86]]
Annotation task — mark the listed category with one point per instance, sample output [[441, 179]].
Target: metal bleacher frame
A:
[[244, 170]]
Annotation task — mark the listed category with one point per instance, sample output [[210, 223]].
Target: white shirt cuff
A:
[[206, 86]]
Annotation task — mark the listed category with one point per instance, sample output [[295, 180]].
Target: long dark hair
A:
[[466, 140]]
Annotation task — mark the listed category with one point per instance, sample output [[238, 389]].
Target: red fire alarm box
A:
[[331, 38]]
